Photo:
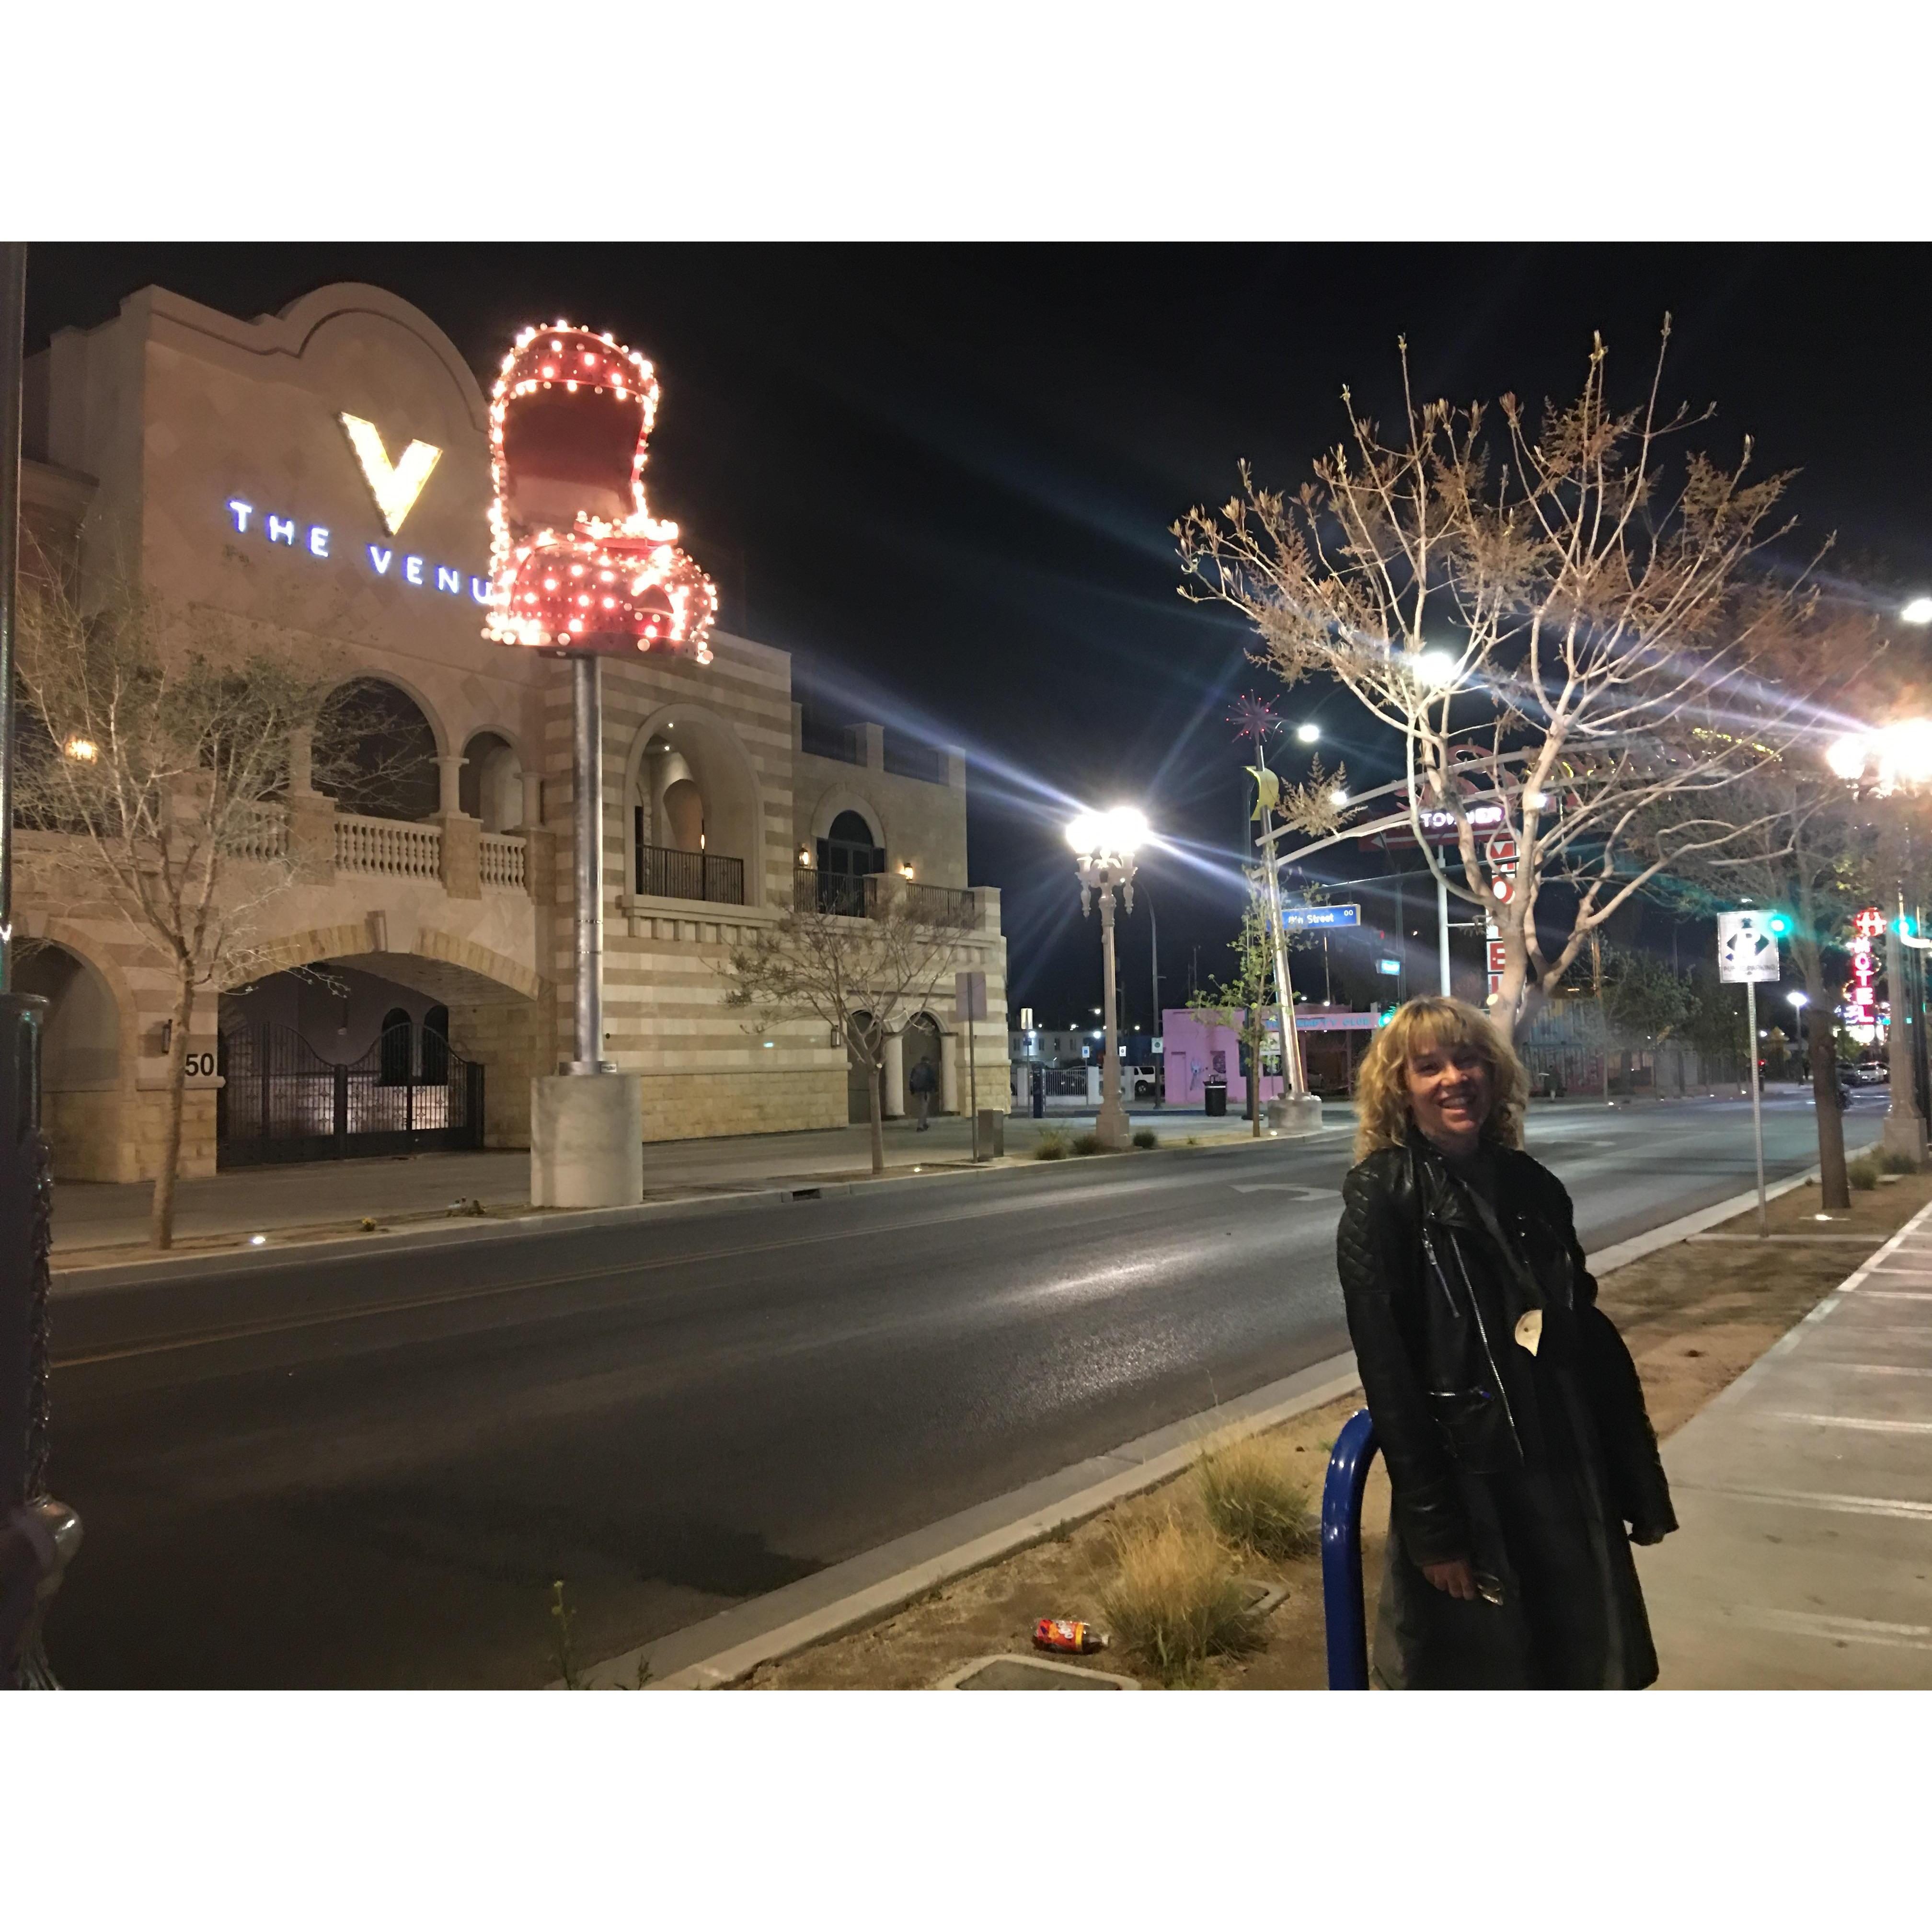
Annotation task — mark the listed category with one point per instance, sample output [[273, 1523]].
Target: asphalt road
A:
[[325, 1472]]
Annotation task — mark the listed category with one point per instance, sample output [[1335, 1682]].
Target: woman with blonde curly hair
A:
[[1508, 1409]]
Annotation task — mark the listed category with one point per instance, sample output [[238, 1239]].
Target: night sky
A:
[[942, 476]]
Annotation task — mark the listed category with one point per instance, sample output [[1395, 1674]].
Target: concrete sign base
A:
[[1290, 1116], [586, 1140]]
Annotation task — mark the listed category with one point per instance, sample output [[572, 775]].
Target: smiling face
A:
[[1450, 1093]]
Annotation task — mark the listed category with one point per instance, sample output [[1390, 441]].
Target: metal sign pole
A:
[[1757, 1110], [1442, 932], [1284, 987]]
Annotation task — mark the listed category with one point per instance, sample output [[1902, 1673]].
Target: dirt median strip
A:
[[1696, 1320]]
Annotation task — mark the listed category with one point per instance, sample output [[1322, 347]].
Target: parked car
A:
[[1868, 1073], [1143, 1083]]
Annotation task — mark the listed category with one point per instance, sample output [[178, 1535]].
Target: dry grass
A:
[[1249, 1491], [1087, 1143], [1146, 1137], [1051, 1145], [1864, 1172], [1174, 1601]]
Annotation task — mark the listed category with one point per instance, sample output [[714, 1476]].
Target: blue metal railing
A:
[[1342, 1606]]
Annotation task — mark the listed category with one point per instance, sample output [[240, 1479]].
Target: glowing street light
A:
[[83, 751], [1308, 733], [1104, 844], [1919, 611], [1893, 755], [1435, 669]]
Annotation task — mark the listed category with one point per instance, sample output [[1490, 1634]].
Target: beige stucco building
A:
[[208, 456]]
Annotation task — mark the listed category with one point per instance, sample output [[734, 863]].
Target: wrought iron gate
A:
[[279, 1100]]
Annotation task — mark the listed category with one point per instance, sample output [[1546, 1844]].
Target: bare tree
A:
[[154, 748], [1562, 620], [861, 977]]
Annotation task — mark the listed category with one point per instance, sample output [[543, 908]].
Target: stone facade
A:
[[206, 456]]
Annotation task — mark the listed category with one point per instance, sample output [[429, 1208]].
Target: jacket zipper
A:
[[1482, 1329]]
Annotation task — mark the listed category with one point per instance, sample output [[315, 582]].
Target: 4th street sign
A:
[[1306, 918]]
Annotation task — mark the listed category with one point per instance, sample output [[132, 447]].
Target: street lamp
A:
[[1919, 611], [1104, 844], [1308, 733]]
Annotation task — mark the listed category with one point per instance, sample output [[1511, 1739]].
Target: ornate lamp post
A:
[[1104, 844]]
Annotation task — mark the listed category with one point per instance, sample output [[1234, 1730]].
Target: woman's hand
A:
[[1454, 1577]]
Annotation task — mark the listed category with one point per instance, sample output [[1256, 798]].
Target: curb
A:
[[725, 1649], [729, 1646]]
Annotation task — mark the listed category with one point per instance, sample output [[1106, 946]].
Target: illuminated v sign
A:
[[394, 487]]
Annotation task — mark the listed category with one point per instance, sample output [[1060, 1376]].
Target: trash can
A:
[[1216, 1093]]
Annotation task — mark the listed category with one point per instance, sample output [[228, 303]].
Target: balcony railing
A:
[[391, 848], [664, 874], [499, 861], [868, 895]]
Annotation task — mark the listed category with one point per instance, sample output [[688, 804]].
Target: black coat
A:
[[1494, 1455]]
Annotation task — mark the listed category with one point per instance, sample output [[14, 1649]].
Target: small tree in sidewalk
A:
[[861, 977], [1241, 1003], [155, 746]]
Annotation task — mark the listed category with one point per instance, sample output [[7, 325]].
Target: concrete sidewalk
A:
[[325, 1196], [1804, 1491]]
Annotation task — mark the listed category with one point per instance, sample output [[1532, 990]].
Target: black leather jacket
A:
[[1414, 1250]]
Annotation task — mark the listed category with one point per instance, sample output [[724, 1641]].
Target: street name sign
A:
[[1297, 919]]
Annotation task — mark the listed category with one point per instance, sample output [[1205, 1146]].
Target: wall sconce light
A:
[[905, 868]]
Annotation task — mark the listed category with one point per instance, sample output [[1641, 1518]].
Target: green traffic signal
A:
[[1904, 926], [1777, 924]]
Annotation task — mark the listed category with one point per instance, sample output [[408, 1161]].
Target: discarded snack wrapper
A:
[[1067, 1633]]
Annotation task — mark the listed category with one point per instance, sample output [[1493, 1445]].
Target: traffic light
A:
[[1904, 925], [1777, 924]]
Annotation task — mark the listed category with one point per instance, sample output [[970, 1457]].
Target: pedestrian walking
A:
[[1521, 1460], [921, 1083]]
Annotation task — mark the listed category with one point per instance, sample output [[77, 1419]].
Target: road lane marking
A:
[[1286, 1187]]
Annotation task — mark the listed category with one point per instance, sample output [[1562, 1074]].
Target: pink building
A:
[[1333, 1039]]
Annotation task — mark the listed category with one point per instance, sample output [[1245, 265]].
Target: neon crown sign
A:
[[578, 563]]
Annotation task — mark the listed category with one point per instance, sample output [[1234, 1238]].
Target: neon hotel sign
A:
[[395, 487]]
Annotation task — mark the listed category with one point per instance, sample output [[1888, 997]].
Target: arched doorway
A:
[[396, 1050], [858, 1076], [376, 753], [80, 1059], [921, 1045], [697, 827], [491, 785], [847, 858], [435, 1044]]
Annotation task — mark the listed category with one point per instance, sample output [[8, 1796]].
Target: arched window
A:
[[396, 1051], [846, 850], [375, 753], [436, 1046], [491, 785]]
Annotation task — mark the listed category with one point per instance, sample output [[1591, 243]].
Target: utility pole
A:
[[38, 1535]]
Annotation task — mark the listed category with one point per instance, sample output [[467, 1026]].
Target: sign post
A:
[[1747, 953], [969, 996]]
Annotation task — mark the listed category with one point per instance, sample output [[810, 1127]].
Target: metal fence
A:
[[666, 873], [279, 1100], [871, 894]]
